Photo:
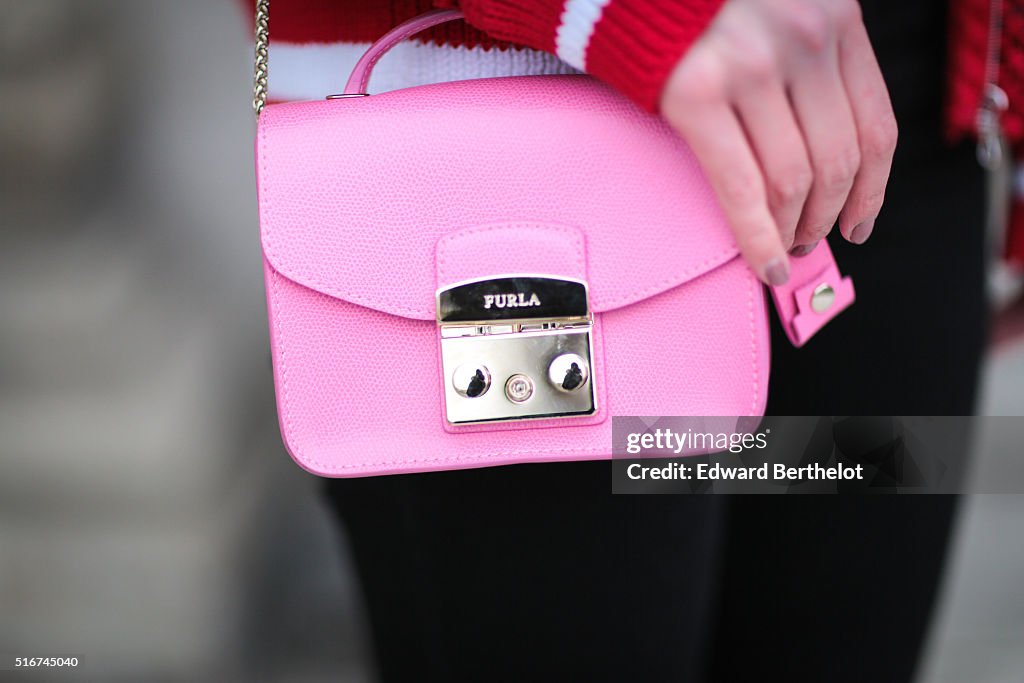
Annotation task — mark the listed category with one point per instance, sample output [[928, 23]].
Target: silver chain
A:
[[259, 81]]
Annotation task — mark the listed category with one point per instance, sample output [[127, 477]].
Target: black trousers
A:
[[539, 573]]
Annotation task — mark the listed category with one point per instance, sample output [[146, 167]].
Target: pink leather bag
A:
[[483, 272]]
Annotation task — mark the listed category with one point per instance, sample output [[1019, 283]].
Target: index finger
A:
[[717, 139]]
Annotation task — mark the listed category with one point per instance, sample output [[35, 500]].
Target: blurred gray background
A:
[[150, 520]]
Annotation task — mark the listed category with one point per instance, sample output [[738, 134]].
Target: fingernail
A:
[[776, 272], [803, 249], [862, 231]]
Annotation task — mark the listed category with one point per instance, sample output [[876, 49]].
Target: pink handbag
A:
[[483, 272]]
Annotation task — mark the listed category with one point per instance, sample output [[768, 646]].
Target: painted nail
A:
[[803, 249], [862, 231], [776, 272]]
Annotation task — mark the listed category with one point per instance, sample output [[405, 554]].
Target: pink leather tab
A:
[[511, 249], [520, 248], [793, 300], [359, 81]]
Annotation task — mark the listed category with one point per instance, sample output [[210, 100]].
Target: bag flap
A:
[[356, 193]]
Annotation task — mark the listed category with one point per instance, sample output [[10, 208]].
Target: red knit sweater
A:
[[630, 44]]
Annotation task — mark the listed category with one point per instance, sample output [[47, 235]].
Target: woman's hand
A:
[[783, 103]]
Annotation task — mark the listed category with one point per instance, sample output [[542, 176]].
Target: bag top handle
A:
[[359, 81]]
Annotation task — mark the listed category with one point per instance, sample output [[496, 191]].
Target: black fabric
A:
[[842, 589], [539, 573], [532, 573]]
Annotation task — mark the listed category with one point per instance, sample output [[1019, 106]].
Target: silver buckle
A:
[[516, 347]]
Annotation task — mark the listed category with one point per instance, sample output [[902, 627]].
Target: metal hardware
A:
[[990, 132], [260, 68], [262, 61], [519, 329], [471, 381], [568, 372], [994, 100], [822, 297], [519, 388]]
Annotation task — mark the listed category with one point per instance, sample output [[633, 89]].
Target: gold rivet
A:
[[822, 298]]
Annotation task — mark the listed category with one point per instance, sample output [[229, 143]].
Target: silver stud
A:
[[568, 372], [471, 381], [822, 297], [519, 388]]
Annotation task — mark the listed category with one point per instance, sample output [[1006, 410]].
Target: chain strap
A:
[[259, 81]]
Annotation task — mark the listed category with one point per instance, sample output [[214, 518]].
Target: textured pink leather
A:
[[793, 299], [364, 187], [341, 416], [368, 205], [486, 250], [359, 82]]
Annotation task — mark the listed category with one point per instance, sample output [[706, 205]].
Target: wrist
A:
[[636, 44]]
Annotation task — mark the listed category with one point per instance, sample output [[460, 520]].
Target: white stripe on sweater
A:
[[573, 35], [310, 71]]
